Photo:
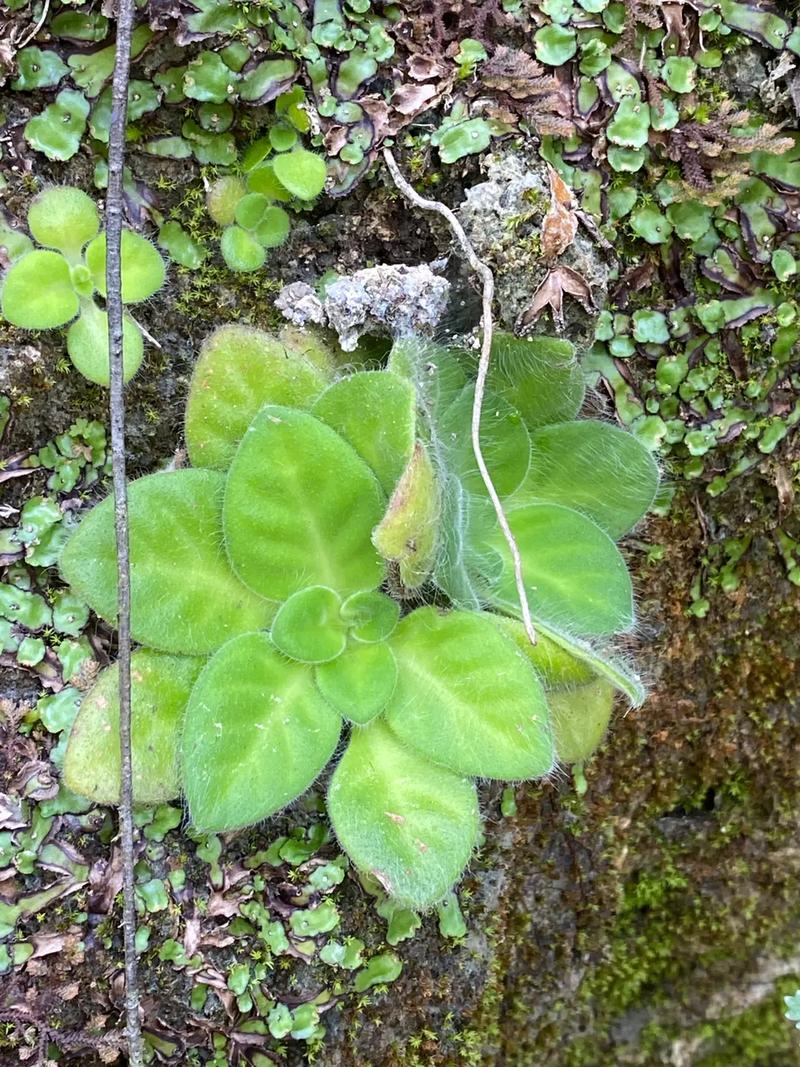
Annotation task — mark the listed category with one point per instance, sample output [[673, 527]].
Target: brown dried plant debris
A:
[[543, 100], [639, 12], [435, 24], [560, 224], [705, 150], [556, 283]]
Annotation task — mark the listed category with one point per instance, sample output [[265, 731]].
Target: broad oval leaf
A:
[[300, 506], [257, 732], [240, 250], [580, 718], [87, 345], [63, 217], [408, 533], [301, 172], [160, 688], [410, 824], [310, 345], [504, 438], [184, 595], [375, 412], [574, 574], [37, 292], [309, 627], [143, 269], [273, 228], [539, 376], [360, 682], [238, 372], [467, 698], [595, 468]]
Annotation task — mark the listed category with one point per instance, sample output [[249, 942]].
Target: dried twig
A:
[[487, 278], [116, 161]]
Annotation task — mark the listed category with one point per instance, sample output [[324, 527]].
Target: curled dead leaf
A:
[[550, 294], [560, 224]]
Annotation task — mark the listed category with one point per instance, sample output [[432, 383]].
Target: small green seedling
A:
[[276, 170], [56, 283], [311, 501]]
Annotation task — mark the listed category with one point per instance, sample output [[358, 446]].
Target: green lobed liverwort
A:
[[313, 529], [57, 283]]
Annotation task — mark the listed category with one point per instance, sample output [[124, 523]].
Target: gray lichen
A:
[[394, 299]]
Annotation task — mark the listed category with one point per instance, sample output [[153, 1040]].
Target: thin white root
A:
[[487, 278], [40, 22]]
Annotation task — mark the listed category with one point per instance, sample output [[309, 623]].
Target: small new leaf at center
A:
[[309, 627]]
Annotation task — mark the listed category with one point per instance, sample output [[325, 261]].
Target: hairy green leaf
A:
[[238, 372], [464, 563], [143, 269], [273, 228], [434, 371], [580, 702], [257, 733], [595, 468], [160, 688], [184, 595], [408, 532], [574, 574], [604, 662], [250, 209], [467, 698], [37, 292], [360, 682], [375, 412], [371, 616], [504, 438], [580, 718], [300, 506], [301, 172], [408, 823], [87, 345], [540, 377], [309, 627], [554, 664], [64, 218]]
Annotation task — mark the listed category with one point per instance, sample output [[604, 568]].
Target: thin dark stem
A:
[[116, 162]]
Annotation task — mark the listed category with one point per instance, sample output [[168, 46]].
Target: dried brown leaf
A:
[[560, 224], [105, 879], [556, 283], [411, 100], [425, 68]]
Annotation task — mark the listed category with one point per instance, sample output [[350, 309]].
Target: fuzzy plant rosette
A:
[[61, 280], [328, 576]]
